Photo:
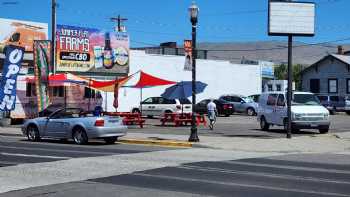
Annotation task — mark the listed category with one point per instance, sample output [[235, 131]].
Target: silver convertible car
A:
[[73, 123]]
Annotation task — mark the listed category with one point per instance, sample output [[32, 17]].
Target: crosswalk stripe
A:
[[36, 156], [289, 167], [271, 175], [264, 187]]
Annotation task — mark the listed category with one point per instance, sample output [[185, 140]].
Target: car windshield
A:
[[305, 99]]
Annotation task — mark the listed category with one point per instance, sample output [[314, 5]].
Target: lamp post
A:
[[193, 11]]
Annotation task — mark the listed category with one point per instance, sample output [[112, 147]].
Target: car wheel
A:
[[323, 130], [250, 111], [332, 111], [79, 136], [263, 124], [135, 111], [33, 133], [110, 140], [348, 112], [227, 115]]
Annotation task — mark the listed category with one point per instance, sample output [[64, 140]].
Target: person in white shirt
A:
[[211, 107]]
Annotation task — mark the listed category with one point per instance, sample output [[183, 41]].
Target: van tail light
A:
[[100, 123], [178, 106]]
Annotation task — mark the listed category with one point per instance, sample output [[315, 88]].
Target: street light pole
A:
[[53, 35], [194, 19], [290, 88]]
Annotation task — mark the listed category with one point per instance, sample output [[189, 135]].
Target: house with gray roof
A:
[[330, 75]]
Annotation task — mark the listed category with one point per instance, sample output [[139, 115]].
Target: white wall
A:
[[222, 77]]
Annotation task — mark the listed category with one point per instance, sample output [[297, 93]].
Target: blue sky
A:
[[154, 21]]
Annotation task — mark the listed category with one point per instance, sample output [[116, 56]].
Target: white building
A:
[[222, 77]]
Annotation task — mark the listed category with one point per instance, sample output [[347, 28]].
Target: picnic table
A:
[[182, 119], [129, 118]]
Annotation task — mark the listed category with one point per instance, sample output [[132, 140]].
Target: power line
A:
[[258, 49]]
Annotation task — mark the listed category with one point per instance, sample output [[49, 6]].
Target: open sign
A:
[[12, 65]]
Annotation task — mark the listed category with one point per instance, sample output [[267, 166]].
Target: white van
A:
[[157, 106], [307, 112]]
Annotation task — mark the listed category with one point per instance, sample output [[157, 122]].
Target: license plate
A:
[[113, 121], [313, 125]]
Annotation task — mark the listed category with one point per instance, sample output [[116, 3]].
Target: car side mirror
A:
[[242, 102]]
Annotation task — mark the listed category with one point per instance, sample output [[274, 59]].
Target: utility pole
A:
[[119, 21], [53, 36]]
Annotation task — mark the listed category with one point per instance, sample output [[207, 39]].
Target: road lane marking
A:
[[60, 150], [36, 156], [271, 175], [263, 187], [289, 167]]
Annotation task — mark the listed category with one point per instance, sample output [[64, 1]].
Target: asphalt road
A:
[[16, 150], [293, 175], [239, 125]]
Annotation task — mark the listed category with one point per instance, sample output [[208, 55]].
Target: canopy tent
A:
[[68, 79], [142, 80]]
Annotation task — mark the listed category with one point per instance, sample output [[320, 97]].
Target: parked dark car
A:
[[224, 108], [334, 103], [241, 104]]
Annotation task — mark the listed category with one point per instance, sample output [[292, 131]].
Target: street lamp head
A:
[[193, 10]]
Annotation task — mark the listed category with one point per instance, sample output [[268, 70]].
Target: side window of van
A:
[[271, 99], [281, 101]]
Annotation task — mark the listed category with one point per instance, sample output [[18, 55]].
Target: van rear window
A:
[[185, 101]]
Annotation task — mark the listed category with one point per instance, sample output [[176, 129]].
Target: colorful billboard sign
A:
[[21, 33], [8, 85], [90, 50]]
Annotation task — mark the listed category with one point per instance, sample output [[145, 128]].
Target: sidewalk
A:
[[339, 142]]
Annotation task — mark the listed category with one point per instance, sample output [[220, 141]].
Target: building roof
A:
[[342, 58]]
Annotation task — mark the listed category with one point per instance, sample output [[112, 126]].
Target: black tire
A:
[[110, 140], [250, 111], [263, 124], [348, 112], [33, 133], [324, 130], [79, 136], [135, 110], [332, 111], [227, 115]]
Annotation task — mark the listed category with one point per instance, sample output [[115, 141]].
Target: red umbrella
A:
[[143, 80]]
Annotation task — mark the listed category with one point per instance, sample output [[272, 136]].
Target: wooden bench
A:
[[134, 121], [181, 119]]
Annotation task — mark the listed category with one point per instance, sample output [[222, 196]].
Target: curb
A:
[[173, 143]]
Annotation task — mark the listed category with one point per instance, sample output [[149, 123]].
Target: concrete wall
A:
[[329, 68], [222, 77]]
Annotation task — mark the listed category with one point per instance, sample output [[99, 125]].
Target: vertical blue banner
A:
[[8, 84]]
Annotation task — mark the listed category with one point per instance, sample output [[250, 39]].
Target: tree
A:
[[281, 74]]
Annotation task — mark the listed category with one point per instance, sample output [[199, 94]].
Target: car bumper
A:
[[310, 125], [347, 108], [101, 132], [226, 112]]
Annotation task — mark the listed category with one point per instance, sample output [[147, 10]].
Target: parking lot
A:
[[239, 125]]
